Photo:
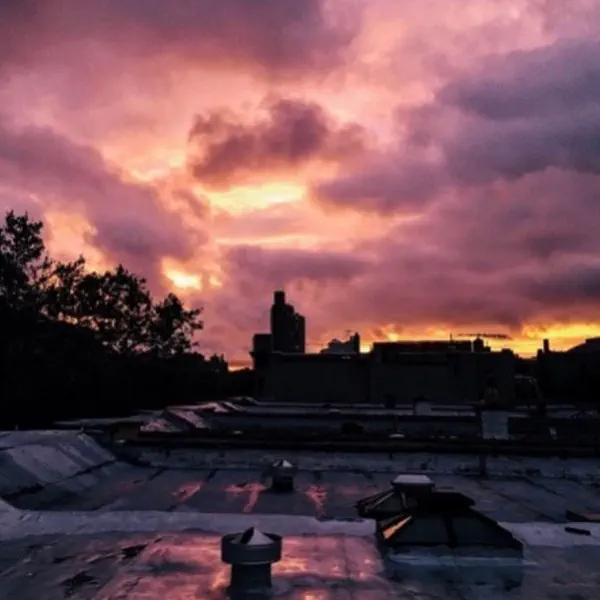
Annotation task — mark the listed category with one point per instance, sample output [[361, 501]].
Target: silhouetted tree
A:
[[75, 343], [172, 327], [24, 263], [116, 305]]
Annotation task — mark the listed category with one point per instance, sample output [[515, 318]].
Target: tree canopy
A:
[[76, 343], [115, 306]]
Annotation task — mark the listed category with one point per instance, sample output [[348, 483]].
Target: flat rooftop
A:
[[276, 408], [186, 565], [98, 527], [322, 491]]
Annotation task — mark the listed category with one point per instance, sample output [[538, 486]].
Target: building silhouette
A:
[[350, 346], [445, 372], [572, 375], [287, 337], [287, 326]]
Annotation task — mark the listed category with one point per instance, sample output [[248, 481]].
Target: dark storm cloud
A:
[[484, 152], [273, 35], [540, 109], [574, 281], [390, 185], [512, 116], [278, 267], [291, 134], [541, 83], [502, 255]]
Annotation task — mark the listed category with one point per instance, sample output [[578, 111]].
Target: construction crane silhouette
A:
[[489, 336]]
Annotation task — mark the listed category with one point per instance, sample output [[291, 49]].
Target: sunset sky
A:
[[403, 168]]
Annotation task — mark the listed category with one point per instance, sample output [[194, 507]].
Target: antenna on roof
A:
[[489, 336]]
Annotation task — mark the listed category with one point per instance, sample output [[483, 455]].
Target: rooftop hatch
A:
[[415, 515]]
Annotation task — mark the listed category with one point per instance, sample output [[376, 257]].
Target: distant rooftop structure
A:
[[190, 417], [429, 346], [160, 425], [590, 345], [350, 346], [103, 422], [447, 371]]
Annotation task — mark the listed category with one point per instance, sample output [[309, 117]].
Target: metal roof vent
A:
[[416, 517], [282, 464], [282, 475], [250, 554]]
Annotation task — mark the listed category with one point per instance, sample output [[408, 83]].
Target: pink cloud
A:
[[454, 172], [269, 36], [292, 134], [128, 218], [537, 111]]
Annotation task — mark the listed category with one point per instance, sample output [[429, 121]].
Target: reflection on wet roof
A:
[[191, 417], [160, 424], [149, 526]]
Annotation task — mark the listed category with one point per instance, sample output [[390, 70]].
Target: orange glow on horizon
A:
[[562, 337]]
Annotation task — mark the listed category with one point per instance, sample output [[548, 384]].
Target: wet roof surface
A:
[[117, 548], [327, 493], [187, 566]]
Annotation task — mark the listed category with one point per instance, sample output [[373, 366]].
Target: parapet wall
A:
[[32, 460]]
